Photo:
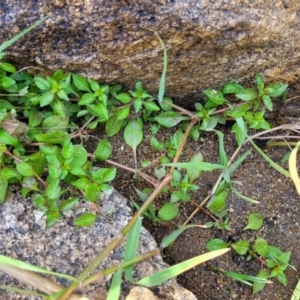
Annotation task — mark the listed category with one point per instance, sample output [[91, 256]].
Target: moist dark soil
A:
[[279, 206]]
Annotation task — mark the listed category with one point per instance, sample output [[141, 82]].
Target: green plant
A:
[[56, 114], [273, 260]]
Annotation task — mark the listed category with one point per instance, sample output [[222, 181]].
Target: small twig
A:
[[204, 210], [182, 143], [184, 111]]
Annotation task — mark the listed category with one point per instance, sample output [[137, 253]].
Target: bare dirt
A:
[[279, 205]]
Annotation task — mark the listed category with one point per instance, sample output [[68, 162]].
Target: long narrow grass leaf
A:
[[115, 287], [131, 246], [293, 167], [174, 271], [201, 166], [161, 91], [233, 189], [270, 161], [28, 267], [296, 293], [168, 240], [239, 161], [19, 35], [20, 291], [247, 279], [222, 152]]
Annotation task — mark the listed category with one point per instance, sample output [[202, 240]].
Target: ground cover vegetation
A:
[[44, 122]]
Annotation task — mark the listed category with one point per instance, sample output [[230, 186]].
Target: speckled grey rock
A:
[[210, 42], [68, 249]]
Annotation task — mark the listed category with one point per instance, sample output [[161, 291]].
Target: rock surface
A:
[[209, 42], [67, 249]]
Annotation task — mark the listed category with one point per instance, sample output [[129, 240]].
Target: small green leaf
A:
[[267, 102], [81, 83], [92, 192], [53, 190], [282, 278], [168, 211], [113, 125], [216, 244], [247, 95], [258, 286], [79, 156], [87, 99], [240, 135], [261, 247], [137, 104], [103, 174], [123, 113], [56, 137], [255, 221], [25, 169], [156, 144], [46, 98], [63, 95], [35, 117], [164, 104], [3, 187], [215, 96], [160, 173], [177, 138], [104, 150], [218, 202], [232, 88], [6, 138], [259, 82], [6, 82], [193, 173], [170, 118], [150, 106], [86, 219], [55, 123], [68, 204], [123, 97], [133, 135], [241, 247], [54, 166], [8, 67], [276, 90]]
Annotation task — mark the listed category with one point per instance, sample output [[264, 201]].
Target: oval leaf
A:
[[86, 219]]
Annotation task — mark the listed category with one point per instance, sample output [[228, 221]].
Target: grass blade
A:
[[131, 246], [284, 172], [222, 152], [21, 291], [115, 287], [174, 235], [201, 166], [293, 167], [246, 279], [22, 33], [175, 270], [161, 91], [296, 293], [233, 189], [28, 267]]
